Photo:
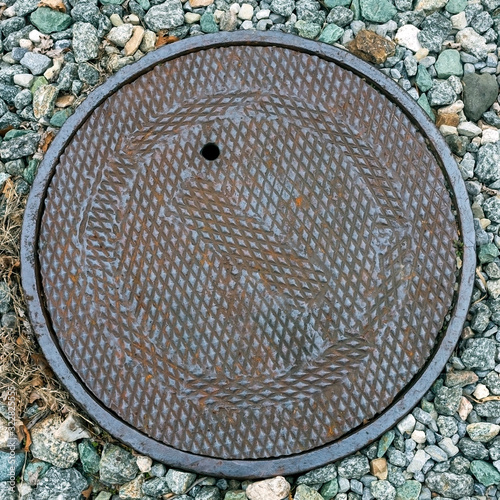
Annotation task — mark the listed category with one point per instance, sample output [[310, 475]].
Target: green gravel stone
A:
[[30, 171], [384, 443], [409, 491], [458, 144], [480, 92], [38, 82], [304, 492], [355, 7], [488, 253], [485, 473], [89, 457], [11, 134], [111, 2], [377, 11], [145, 4], [34, 471], [436, 386], [329, 489], [208, 24], [235, 495], [424, 104], [308, 29], [335, 3], [456, 6], [423, 79], [60, 117], [7, 467], [117, 465], [331, 33], [429, 408], [449, 64], [48, 20], [104, 495]]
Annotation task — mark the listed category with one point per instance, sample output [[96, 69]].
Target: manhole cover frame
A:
[[254, 468]]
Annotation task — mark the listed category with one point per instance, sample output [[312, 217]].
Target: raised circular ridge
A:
[[246, 468]]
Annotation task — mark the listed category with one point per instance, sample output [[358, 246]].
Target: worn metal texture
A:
[[246, 248]]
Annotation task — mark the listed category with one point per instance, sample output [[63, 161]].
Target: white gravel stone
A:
[[418, 461], [481, 392], [276, 488], [447, 445], [419, 437], [464, 409], [34, 35], [406, 36], [132, 19], [120, 35], [469, 129], [421, 54], [472, 42], [459, 21], [116, 20], [484, 223], [23, 80], [144, 463], [263, 14], [448, 130], [456, 107], [247, 25], [191, 17], [9, 12], [71, 430], [246, 12], [235, 8], [25, 44], [490, 135], [407, 424]]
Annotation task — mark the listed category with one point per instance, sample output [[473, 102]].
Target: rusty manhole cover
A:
[[240, 254]]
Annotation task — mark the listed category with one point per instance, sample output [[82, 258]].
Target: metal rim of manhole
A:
[[239, 254]]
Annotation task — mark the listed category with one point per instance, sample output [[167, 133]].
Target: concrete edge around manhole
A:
[[247, 469]]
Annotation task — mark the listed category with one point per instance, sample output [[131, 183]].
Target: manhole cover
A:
[[240, 254]]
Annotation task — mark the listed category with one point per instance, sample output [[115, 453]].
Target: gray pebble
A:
[[36, 63]]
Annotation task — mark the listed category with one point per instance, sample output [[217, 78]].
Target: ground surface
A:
[[444, 53]]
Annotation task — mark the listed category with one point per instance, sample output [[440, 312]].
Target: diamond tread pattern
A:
[[265, 303]]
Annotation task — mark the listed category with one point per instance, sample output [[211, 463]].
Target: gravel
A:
[[63, 484], [445, 54]]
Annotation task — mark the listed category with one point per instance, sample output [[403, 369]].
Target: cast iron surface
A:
[[266, 311]]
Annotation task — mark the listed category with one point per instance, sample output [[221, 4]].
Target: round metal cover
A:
[[240, 254]]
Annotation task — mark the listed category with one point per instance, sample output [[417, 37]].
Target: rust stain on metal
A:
[[236, 255]]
